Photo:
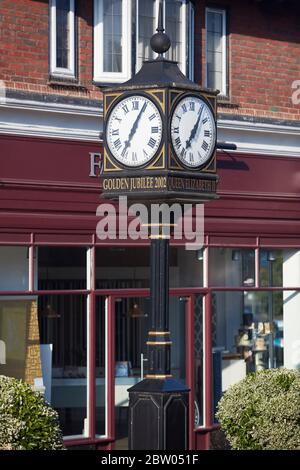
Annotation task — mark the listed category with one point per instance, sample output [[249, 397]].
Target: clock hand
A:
[[134, 128], [194, 130]]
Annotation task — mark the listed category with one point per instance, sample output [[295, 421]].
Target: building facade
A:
[[74, 308]]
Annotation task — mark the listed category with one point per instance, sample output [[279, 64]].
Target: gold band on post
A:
[[158, 333], [149, 376], [159, 343]]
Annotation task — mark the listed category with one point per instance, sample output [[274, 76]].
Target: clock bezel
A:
[[115, 103], [177, 100]]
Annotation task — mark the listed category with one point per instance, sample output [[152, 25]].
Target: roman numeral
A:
[[145, 153], [178, 117], [191, 157], [205, 120], [184, 108], [151, 117], [134, 156], [206, 133], [124, 152], [205, 145], [115, 132], [125, 109], [152, 142], [117, 144], [192, 106], [154, 130], [118, 119], [135, 105], [183, 151], [177, 142], [176, 130]]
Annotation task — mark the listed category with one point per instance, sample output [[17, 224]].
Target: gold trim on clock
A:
[[174, 92], [113, 167], [116, 95], [160, 167], [154, 93]]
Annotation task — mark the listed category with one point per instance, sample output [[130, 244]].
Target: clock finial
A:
[[160, 41]]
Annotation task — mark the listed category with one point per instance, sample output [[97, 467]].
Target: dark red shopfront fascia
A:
[[46, 189]]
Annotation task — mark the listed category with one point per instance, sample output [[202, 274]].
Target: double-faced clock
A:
[[134, 130], [193, 131], [160, 137]]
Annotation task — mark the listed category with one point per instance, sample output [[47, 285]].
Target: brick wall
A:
[[264, 56], [263, 45], [24, 47]]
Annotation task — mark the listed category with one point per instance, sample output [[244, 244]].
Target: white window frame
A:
[[223, 91], [190, 51], [186, 9], [99, 74], [61, 71]]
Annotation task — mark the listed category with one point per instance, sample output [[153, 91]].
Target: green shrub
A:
[[262, 411], [27, 422]]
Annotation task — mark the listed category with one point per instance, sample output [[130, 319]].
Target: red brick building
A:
[[70, 298]]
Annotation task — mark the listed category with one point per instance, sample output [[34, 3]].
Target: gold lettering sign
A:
[[156, 183]]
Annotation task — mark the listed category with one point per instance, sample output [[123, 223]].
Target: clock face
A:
[[134, 130], [193, 131]]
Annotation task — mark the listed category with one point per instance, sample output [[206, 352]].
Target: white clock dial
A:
[[193, 131], [134, 131]]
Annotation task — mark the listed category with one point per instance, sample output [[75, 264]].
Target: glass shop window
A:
[[62, 268], [129, 267], [63, 355], [248, 334], [14, 268], [19, 341], [231, 267], [198, 354]]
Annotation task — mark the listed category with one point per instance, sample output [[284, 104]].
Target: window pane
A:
[[248, 330], [13, 268], [232, 267], [271, 263], [61, 268], [174, 29], [63, 33], [112, 32], [63, 337], [146, 28], [100, 366], [198, 345], [20, 341], [215, 50], [129, 267]]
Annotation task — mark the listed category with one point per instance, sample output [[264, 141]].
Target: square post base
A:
[[158, 415]]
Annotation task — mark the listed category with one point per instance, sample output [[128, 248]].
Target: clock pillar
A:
[[145, 161], [158, 406]]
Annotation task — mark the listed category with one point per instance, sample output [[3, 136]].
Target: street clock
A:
[[160, 135]]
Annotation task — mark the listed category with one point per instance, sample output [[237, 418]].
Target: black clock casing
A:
[[164, 176]]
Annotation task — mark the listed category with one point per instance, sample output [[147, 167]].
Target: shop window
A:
[[62, 38], [63, 347], [62, 268], [14, 268], [129, 267], [132, 323], [232, 267], [198, 352], [248, 334], [216, 54], [100, 371], [122, 32], [20, 355]]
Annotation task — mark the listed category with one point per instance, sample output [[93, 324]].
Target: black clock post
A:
[[173, 160]]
